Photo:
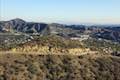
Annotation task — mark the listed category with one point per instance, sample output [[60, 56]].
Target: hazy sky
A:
[[66, 11]]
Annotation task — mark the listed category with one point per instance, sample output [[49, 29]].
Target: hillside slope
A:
[[53, 67]]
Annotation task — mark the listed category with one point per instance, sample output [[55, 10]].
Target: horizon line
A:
[[65, 22]]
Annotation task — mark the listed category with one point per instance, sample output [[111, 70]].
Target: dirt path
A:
[[50, 53]]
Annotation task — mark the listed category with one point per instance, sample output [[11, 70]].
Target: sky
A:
[[62, 11]]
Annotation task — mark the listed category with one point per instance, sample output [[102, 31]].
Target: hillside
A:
[[51, 44], [53, 67]]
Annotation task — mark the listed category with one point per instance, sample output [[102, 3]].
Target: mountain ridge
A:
[[17, 25]]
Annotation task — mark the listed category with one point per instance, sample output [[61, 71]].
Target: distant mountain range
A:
[[110, 32]]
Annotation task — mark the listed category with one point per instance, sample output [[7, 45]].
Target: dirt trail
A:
[[50, 53]]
